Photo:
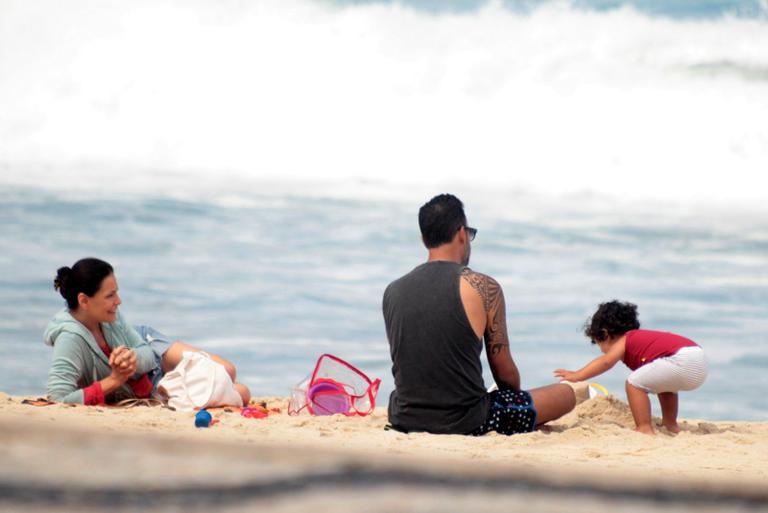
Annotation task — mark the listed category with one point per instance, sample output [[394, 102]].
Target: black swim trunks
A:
[[511, 413]]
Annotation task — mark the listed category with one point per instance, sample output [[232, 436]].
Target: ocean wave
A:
[[744, 71], [759, 360], [678, 9], [198, 96]]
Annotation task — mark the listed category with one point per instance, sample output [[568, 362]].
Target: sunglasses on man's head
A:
[[471, 232]]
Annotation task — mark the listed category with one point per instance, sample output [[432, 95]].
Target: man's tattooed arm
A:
[[502, 364], [495, 335]]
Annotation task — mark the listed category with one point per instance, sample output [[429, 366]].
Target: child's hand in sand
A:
[[566, 375]]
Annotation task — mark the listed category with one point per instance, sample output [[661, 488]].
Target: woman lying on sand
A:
[[98, 357]]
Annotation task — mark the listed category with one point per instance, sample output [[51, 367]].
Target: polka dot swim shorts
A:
[[511, 413]]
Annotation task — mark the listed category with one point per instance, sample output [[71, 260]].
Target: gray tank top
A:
[[435, 353]]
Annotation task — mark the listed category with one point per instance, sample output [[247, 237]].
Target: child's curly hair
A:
[[611, 320]]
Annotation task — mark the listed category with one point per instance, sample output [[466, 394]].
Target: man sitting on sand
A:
[[437, 317]]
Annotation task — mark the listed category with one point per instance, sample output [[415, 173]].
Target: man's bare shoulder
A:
[[472, 276], [487, 287]]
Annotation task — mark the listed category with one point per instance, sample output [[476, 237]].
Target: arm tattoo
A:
[[493, 301], [487, 287]]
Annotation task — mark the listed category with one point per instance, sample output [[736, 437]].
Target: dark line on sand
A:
[[353, 477]]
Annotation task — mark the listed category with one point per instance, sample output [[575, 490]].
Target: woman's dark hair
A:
[[440, 218], [612, 319], [85, 276]]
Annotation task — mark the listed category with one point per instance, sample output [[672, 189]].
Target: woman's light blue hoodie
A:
[[78, 361]]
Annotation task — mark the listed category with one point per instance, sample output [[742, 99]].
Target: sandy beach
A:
[[60, 457]]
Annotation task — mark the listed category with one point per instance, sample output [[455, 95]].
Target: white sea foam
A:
[[223, 95]]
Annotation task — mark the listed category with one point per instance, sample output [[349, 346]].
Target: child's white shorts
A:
[[684, 370]]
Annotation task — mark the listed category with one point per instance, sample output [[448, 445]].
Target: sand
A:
[[62, 457]]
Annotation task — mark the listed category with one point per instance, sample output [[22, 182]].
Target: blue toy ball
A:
[[203, 419]]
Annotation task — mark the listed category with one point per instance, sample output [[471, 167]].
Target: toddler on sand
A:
[[662, 363]]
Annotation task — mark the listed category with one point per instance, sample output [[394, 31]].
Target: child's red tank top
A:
[[645, 346]]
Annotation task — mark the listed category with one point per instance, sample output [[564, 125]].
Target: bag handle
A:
[[373, 389]]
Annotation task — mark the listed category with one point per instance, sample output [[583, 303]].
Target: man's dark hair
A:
[[440, 218], [611, 320]]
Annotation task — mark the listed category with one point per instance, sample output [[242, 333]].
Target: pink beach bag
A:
[[335, 386]]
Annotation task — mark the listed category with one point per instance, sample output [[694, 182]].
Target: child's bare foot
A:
[[672, 427], [646, 429]]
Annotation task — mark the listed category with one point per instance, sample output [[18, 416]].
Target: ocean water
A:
[[276, 281], [253, 171]]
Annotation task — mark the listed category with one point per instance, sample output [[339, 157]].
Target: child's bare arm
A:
[[596, 366]]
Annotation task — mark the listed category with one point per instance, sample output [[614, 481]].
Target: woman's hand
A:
[[567, 375], [123, 362]]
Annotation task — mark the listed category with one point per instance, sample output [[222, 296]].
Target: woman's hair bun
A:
[[60, 281], [85, 276]]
